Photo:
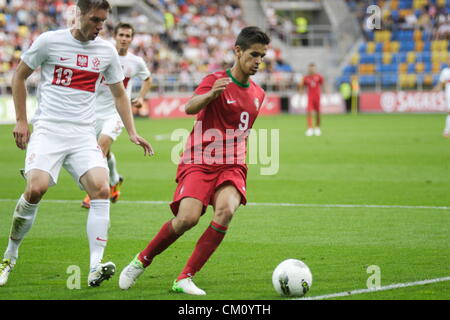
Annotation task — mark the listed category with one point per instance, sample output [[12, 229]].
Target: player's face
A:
[[92, 23], [250, 59], [123, 38], [312, 69]]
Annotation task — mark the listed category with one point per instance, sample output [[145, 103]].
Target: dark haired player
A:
[[225, 101], [312, 81]]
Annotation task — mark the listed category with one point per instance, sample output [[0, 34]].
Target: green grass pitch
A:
[[395, 160]]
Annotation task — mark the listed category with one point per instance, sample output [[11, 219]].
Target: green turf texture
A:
[[364, 159]]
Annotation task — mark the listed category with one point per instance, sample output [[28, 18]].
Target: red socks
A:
[[165, 237], [204, 248], [309, 118]]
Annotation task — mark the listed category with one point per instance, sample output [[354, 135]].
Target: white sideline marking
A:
[[385, 288], [269, 204]]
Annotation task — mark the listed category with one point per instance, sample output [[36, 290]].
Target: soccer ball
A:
[[292, 278]]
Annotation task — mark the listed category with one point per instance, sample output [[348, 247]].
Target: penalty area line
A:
[[385, 288], [269, 204]]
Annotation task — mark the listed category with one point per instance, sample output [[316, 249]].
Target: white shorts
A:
[[74, 148], [111, 126]]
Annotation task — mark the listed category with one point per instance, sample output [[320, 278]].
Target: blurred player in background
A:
[[312, 81], [225, 100], [108, 123], [73, 62], [444, 82]]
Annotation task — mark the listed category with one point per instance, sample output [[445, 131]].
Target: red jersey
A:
[[313, 83], [222, 127]]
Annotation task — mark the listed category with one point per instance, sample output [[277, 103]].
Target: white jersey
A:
[[133, 66], [71, 72], [445, 78]]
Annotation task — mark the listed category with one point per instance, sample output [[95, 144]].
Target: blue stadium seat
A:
[[435, 79], [411, 68], [363, 47], [406, 46], [350, 69], [395, 15], [388, 79], [379, 47], [399, 57], [367, 80]]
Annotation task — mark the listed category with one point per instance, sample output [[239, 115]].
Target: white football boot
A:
[[317, 132], [309, 132], [100, 273], [187, 286], [5, 268], [130, 273]]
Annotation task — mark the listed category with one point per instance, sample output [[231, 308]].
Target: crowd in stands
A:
[[408, 48], [194, 40], [431, 16]]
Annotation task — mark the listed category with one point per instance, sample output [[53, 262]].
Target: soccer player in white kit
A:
[[444, 81], [108, 123], [73, 62]]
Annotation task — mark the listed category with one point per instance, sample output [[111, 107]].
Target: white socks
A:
[[113, 174], [447, 124], [97, 229], [23, 218]]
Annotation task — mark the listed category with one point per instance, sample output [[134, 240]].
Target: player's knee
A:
[[224, 214], [187, 222], [35, 192], [101, 190]]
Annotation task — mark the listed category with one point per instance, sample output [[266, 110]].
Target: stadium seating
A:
[[198, 41], [406, 55]]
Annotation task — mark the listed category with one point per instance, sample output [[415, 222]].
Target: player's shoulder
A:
[[446, 71], [257, 89], [105, 44], [212, 77], [53, 35], [134, 58], [219, 74]]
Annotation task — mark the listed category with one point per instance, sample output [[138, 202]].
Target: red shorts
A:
[[313, 103], [202, 181]]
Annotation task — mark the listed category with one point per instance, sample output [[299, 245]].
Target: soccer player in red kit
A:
[[227, 104], [313, 81]]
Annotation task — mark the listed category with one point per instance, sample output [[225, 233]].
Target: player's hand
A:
[[21, 134], [219, 86], [148, 149], [137, 103]]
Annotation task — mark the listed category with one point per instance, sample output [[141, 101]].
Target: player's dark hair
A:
[[251, 35], [87, 5], [124, 25]]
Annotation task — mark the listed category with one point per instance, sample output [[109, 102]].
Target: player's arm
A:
[[21, 131], [124, 109], [199, 101], [301, 86], [138, 102]]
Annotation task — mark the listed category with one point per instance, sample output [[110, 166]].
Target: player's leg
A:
[[189, 212], [446, 132], [95, 182], [112, 129], [309, 118], [317, 130], [23, 218], [226, 201], [108, 131]]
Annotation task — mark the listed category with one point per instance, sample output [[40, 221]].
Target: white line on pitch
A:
[[275, 204], [385, 288]]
